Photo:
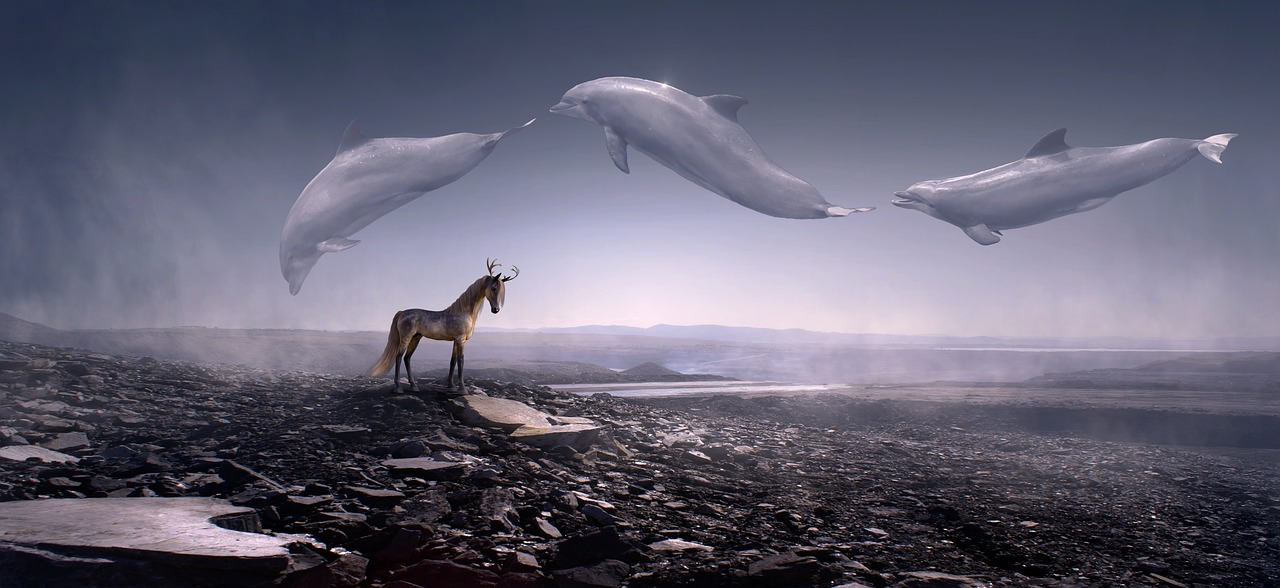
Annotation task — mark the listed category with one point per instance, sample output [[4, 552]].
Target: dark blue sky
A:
[[151, 151]]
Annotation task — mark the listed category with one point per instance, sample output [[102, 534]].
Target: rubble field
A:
[[378, 489]]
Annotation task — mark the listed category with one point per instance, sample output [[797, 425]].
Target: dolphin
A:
[[367, 179], [1053, 179], [698, 138]]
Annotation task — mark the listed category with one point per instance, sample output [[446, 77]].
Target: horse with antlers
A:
[[455, 323]]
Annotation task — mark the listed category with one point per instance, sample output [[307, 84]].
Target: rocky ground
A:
[[721, 491]]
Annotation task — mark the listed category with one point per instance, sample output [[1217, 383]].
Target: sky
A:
[[151, 151]]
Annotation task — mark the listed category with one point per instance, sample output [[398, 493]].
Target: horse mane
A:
[[470, 297]]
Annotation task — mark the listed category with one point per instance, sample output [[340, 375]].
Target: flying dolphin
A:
[[1052, 180], [696, 137], [367, 179]]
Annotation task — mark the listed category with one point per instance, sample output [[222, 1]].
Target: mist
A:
[[152, 152]]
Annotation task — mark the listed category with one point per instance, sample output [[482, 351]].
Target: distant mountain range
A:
[[786, 336], [793, 355]]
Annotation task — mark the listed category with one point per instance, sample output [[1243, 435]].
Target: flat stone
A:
[[346, 432], [67, 441], [785, 569], [598, 515], [607, 574], [697, 457], [925, 579], [500, 413], [7, 433], [524, 561], [374, 496], [25, 452], [177, 530], [54, 424], [679, 545], [425, 468], [576, 436], [546, 529]]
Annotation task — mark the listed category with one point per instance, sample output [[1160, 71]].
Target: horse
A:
[[455, 323]]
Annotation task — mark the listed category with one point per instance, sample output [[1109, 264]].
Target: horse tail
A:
[[388, 359]]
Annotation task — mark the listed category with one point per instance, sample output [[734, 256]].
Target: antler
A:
[[513, 276], [491, 263]]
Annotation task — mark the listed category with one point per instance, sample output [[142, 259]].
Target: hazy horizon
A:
[[736, 334], [152, 151]]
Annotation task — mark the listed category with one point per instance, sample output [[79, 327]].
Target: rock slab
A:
[[176, 530], [500, 413], [576, 436], [25, 452]]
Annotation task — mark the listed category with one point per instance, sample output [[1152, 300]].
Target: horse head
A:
[[496, 290]]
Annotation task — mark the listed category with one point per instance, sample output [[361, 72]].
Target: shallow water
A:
[[659, 389]]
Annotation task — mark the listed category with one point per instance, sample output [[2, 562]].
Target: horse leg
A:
[[453, 361], [413, 346], [460, 346], [399, 356]]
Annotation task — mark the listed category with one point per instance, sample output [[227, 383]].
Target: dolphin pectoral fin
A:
[[725, 104], [352, 138], [1055, 142], [335, 244], [1213, 147], [982, 234], [617, 149], [842, 211]]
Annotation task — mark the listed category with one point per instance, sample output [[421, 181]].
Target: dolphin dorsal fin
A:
[[352, 138], [1055, 142], [725, 104]]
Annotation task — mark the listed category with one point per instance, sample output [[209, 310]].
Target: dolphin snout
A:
[[571, 108], [904, 198]]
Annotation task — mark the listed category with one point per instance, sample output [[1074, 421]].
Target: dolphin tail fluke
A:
[[516, 129], [1213, 147], [492, 140], [842, 211]]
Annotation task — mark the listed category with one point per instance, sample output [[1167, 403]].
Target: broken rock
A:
[[579, 437], [25, 452], [607, 574], [426, 468], [154, 534], [499, 413]]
